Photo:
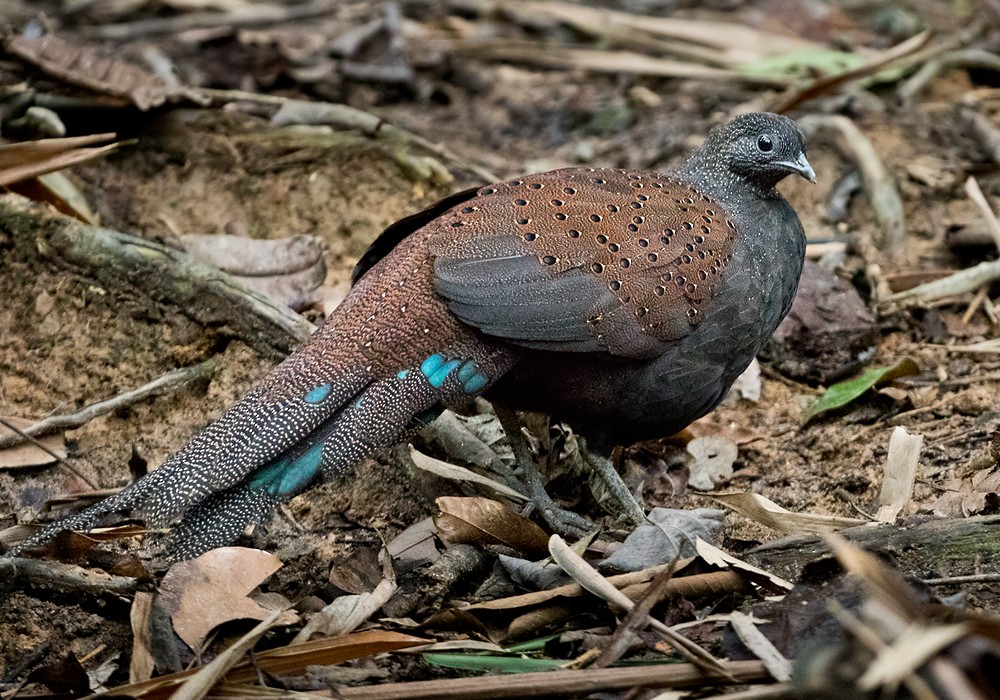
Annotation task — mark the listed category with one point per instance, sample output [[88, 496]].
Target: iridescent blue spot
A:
[[289, 476], [431, 365], [300, 472], [475, 384], [402, 374], [466, 371], [442, 372], [426, 417], [319, 393]]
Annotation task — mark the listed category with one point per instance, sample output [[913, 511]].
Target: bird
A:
[[623, 302]]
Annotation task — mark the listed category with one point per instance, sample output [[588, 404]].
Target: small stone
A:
[[44, 304]]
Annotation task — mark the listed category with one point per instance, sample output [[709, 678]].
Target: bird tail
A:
[[379, 416], [209, 485]]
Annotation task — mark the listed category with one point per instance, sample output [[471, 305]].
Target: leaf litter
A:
[[821, 473]]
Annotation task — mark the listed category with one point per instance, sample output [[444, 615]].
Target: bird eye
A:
[[764, 143]]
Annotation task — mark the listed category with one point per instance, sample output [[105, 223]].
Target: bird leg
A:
[[612, 480], [563, 521]]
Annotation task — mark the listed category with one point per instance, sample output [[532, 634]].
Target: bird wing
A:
[[583, 260]]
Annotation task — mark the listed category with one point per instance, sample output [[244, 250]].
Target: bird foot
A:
[[562, 521], [617, 491]]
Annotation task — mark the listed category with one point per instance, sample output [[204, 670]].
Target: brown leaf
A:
[[358, 573], [286, 269], [284, 661], [484, 521], [83, 66], [21, 161], [965, 497], [414, 546], [202, 593], [141, 663], [27, 454]]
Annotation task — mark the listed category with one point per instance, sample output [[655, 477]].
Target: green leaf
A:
[[804, 62], [483, 662], [531, 645], [845, 392]]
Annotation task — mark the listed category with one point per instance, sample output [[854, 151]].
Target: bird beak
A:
[[801, 166]]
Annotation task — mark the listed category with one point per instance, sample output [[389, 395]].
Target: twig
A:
[[556, 684], [18, 432], [47, 575], [825, 84], [121, 261], [979, 199], [635, 620], [974, 305], [961, 58], [972, 578], [247, 16], [595, 60], [343, 117], [174, 379], [588, 577], [879, 184], [983, 129], [967, 280]]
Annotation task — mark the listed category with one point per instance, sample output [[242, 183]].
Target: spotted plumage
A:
[[626, 302]]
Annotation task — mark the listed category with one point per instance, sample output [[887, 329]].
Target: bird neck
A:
[[715, 176]]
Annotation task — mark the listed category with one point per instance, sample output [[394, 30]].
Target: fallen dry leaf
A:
[[27, 454], [714, 456], [414, 546], [767, 512], [289, 270], [484, 521], [899, 474], [668, 535], [969, 496], [204, 592], [21, 161]]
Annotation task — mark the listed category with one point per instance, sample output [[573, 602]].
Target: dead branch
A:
[[120, 261]]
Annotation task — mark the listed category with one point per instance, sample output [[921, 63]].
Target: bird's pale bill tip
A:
[[801, 166], [804, 169]]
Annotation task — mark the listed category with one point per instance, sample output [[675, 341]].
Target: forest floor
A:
[[507, 89]]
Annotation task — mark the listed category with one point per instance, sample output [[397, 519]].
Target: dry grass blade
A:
[[827, 83], [21, 161], [719, 43], [284, 661], [885, 584], [778, 666], [767, 512], [588, 577], [915, 647], [201, 682], [597, 61], [453, 472]]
